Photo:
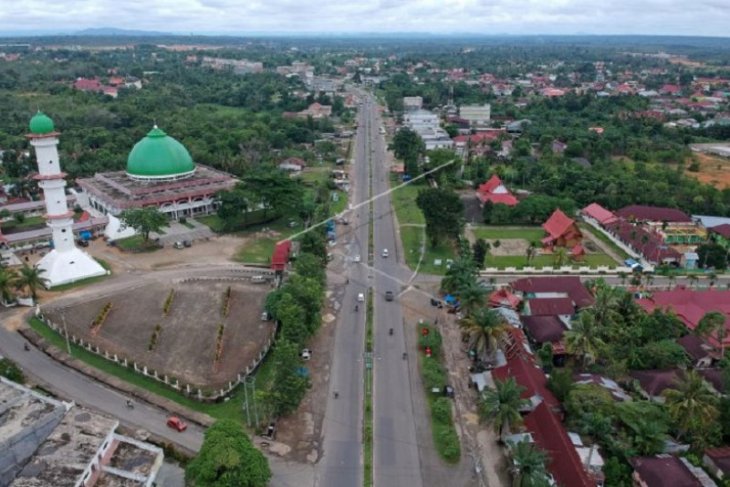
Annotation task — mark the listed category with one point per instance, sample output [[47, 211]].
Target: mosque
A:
[[161, 173]]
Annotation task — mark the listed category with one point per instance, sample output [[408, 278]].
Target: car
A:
[[259, 279], [265, 316], [356, 258], [389, 295], [436, 303], [83, 243], [188, 243], [385, 253], [360, 298], [176, 423], [178, 245], [306, 354]]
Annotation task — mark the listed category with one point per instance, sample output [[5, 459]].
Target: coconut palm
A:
[[7, 284], [500, 406], [528, 466], [648, 436], [484, 327], [461, 273], [582, 340], [692, 408], [604, 307], [471, 296], [30, 279], [560, 256], [713, 323]]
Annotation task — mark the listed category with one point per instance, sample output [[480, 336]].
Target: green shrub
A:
[[10, 371], [447, 442], [441, 410], [433, 374], [433, 339]]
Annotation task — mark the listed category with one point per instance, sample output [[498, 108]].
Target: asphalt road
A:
[[395, 459], [341, 464], [74, 386]]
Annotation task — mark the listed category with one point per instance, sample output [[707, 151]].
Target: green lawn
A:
[[604, 238], [412, 238], [29, 221], [224, 410], [259, 250], [212, 221], [531, 234], [136, 243], [404, 202], [339, 205]]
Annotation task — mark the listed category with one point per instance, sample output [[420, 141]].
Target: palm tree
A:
[[530, 252], [500, 406], [471, 296], [606, 303], [560, 255], [7, 283], [461, 273], [484, 327], [713, 323], [528, 466], [30, 279], [692, 407], [648, 436], [582, 339]]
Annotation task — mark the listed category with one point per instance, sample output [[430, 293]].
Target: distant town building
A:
[[239, 66], [477, 115], [427, 125], [412, 103]]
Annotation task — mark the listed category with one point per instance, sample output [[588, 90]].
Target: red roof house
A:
[[718, 461], [648, 243], [690, 306], [84, 84], [670, 90], [504, 298], [550, 307], [598, 213], [562, 231], [495, 192], [552, 286], [280, 257], [662, 471], [550, 436], [645, 213], [522, 368], [654, 382]]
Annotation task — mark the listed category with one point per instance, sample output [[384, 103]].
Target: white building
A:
[[427, 125], [65, 263], [412, 103], [477, 115]]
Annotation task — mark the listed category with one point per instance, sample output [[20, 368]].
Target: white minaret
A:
[[65, 263]]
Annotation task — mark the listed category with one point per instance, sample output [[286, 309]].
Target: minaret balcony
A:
[[49, 177]]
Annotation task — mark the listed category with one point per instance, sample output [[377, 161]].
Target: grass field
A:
[[412, 238], [404, 202], [259, 250], [136, 243], [212, 221], [531, 234]]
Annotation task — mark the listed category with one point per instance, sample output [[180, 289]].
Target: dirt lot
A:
[[186, 345], [509, 246], [714, 170]]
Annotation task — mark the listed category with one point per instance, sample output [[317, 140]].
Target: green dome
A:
[[41, 124], [159, 156]]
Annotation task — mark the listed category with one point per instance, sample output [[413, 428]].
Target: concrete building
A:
[[65, 263], [477, 115], [412, 103], [427, 125], [160, 172], [45, 442]]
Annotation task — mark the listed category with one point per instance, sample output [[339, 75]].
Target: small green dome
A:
[[158, 156], [41, 124]]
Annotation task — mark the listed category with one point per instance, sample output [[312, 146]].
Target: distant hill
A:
[[111, 31]]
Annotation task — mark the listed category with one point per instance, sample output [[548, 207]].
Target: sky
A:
[[649, 17]]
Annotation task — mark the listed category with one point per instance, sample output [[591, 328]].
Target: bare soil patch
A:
[[714, 170], [509, 246], [187, 340]]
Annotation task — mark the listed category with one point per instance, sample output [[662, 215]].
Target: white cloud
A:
[[670, 17]]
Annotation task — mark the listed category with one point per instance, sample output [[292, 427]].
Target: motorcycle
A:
[[390, 332]]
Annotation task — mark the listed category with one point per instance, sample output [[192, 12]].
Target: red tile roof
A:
[[503, 297], [479, 138], [653, 214], [527, 374], [550, 435], [715, 378], [280, 257], [544, 329], [722, 230], [664, 471], [691, 305], [570, 285], [649, 244], [557, 224], [84, 84], [654, 382], [485, 192], [551, 306], [599, 213], [720, 457], [694, 346]]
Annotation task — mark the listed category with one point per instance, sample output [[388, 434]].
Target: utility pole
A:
[[65, 332]]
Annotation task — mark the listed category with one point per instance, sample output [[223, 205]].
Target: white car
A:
[[385, 252], [360, 298], [306, 354], [356, 259]]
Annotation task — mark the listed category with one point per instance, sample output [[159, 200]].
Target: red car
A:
[[176, 423]]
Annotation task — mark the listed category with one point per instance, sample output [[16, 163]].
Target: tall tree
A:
[[144, 220], [484, 328], [227, 458], [289, 384], [693, 409], [528, 466], [713, 324], [444, 214], [7, 284], [408, 146], [583, 339], [461, 274], [500, 405], [30, 279]]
